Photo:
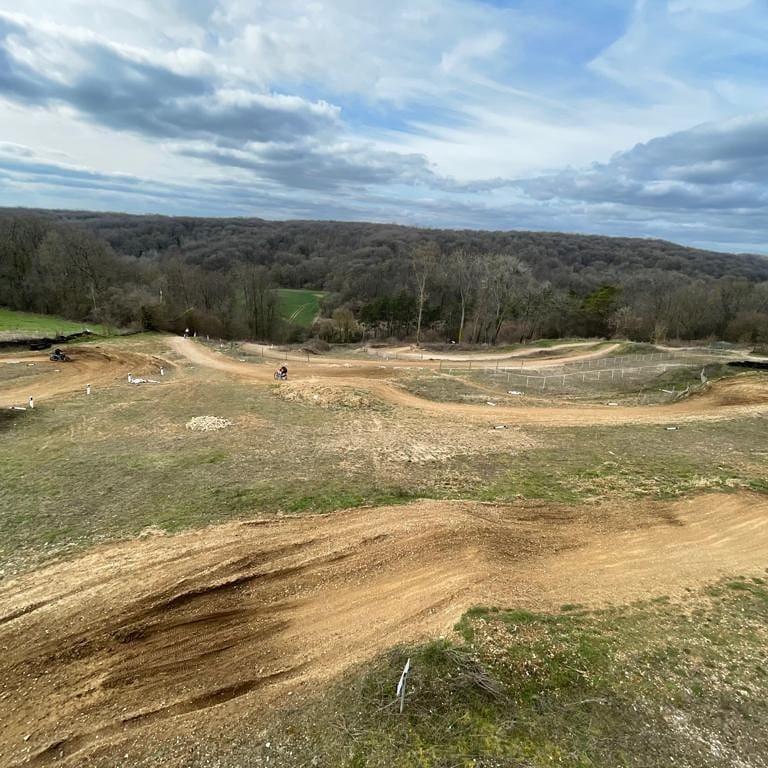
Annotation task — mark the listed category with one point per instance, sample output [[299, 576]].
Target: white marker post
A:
[[130, 378], [402, 684], [87, 389], [31, 402], [162, 371]]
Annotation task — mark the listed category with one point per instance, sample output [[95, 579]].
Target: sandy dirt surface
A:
[[408, 357], [98, 366], [569, 349], [739, 396], [136, 640]]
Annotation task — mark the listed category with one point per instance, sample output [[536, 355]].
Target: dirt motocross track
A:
[[94, 365], [132, 642], [117, 644], [728, 399]]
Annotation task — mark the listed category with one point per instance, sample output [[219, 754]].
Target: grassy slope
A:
[[299, 306], [20, 323], [647, 685]]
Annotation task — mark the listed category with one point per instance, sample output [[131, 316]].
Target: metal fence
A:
[[609, 373]]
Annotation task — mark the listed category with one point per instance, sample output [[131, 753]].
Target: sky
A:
[[621, 117]]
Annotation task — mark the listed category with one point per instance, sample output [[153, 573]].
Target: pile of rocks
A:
[[208, 423]]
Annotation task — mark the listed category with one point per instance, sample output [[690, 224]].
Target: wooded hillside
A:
[[480, 286]]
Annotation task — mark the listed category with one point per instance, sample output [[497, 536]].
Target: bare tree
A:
[[260, 302], [424, 259], [463, 265], [496, 280]]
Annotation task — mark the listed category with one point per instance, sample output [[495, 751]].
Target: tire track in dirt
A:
[[99, 366], [124, 640]]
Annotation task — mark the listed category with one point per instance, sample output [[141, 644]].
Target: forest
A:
[[381, 281]]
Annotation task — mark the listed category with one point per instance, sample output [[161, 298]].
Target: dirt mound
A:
[[207, 424], [119, 643], [745, 389], [315, 346], [325, 395]]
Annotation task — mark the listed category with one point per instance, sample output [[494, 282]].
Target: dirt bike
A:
[[57, 356], [281, 376]]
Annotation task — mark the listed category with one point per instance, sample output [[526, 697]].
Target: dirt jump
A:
[[114, 647]]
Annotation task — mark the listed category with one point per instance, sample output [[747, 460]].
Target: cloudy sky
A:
[[635, 117]]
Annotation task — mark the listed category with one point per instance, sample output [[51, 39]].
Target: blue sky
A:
[[621, 117]]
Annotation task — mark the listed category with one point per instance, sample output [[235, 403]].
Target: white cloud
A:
[[480, 47], [398, 110]]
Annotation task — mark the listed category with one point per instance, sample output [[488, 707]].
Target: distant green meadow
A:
[[28, 323], [299, 307]]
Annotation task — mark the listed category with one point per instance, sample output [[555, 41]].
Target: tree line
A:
[[381, 281]]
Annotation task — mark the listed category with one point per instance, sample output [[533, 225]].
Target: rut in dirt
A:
[[125, 640]]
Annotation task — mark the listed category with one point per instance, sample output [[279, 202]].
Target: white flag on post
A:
[[404, 674], [401, 684]]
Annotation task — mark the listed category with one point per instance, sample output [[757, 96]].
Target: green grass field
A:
[[298, 306], [27, 323]]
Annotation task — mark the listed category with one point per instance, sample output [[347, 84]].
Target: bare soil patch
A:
[[413, 439], [325, 395], [98, 366], [122, 642]]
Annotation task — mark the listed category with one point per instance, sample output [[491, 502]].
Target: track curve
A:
[[741, 396]]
